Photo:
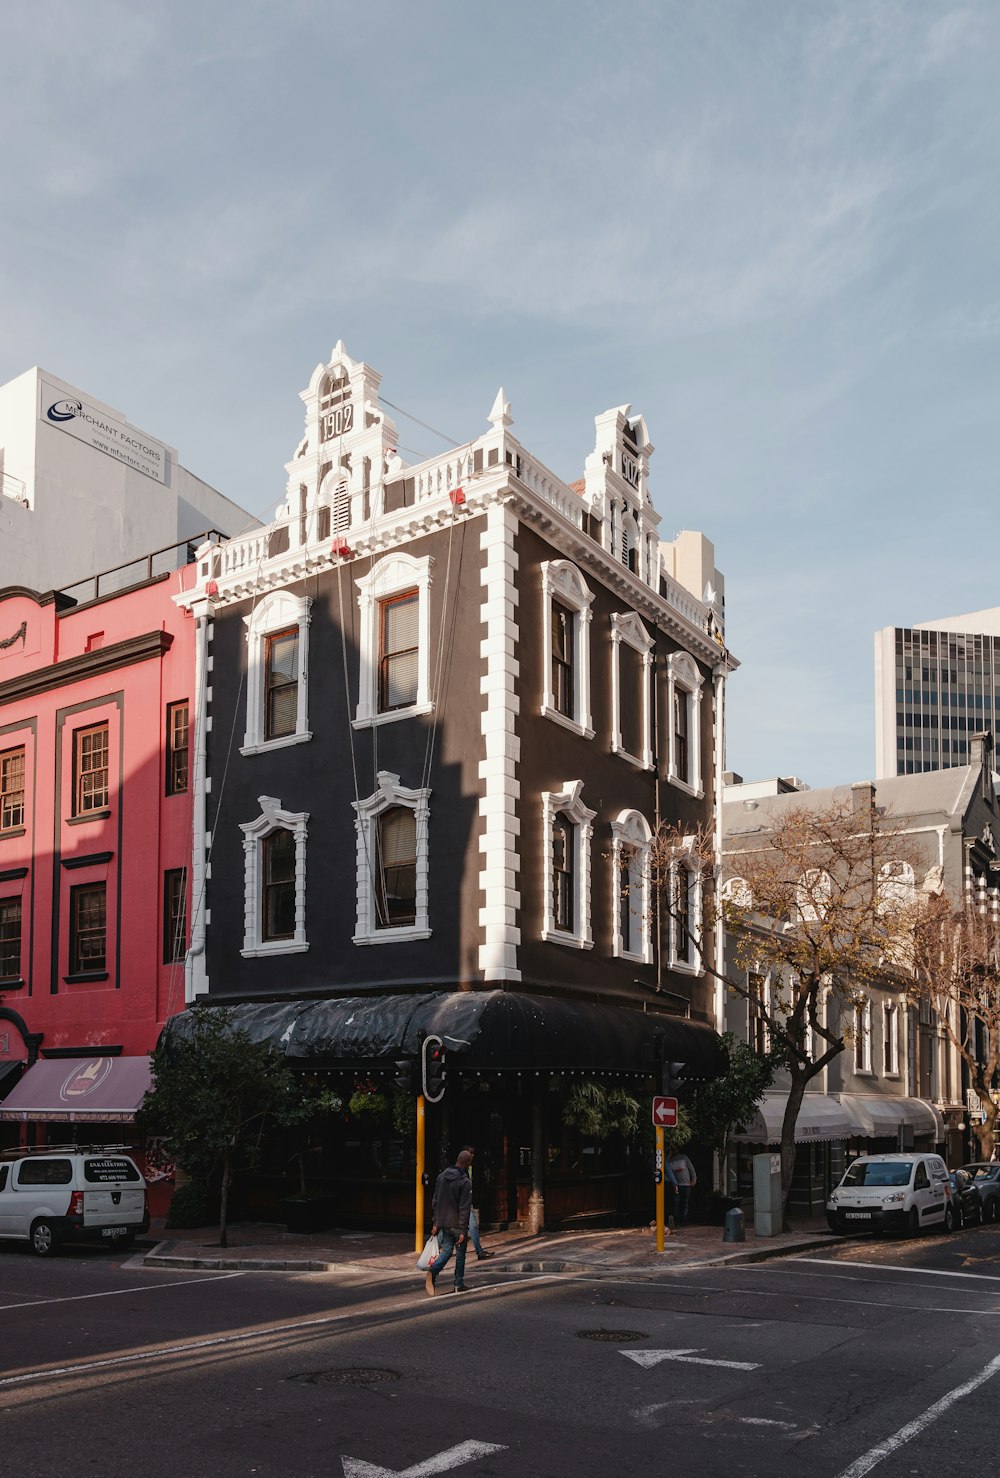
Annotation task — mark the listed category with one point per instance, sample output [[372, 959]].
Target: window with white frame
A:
[[813, 893], [393, 863], [890, 1038], [274, 880], [277, 672], [631, 671], [862, 1027], [395, 677], [685, 916], [684, 684], [896, 887], [630, 848], [567, 833], [566, 603], [758, 1005]]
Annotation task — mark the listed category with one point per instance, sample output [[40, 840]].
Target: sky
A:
[[772, 226]]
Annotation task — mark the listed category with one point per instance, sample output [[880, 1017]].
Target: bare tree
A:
[[956, 971], [814, 903]]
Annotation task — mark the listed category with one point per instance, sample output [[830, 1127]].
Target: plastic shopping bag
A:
[[430, 1252]]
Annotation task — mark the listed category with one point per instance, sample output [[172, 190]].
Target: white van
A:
[[77, 1193], [892, 1192]]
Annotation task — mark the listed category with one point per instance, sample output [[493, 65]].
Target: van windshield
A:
[[878, 1172]]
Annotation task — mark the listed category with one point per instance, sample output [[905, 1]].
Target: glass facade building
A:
[[935, 688]]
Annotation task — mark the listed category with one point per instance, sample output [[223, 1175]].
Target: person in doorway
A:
[[685, 1177], [481, 1253], [450, 1217]]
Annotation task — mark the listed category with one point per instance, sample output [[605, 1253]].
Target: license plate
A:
[[114, 1231], [858, 1215]]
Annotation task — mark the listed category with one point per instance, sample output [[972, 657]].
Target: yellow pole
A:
[[419, 1235], [660, 1224]]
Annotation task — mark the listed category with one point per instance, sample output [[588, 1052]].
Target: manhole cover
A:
[[612, 1336], [360, 1376]]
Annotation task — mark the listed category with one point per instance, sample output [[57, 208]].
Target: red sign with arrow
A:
[[664, 1113]]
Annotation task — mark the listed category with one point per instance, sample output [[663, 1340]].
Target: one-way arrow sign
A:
[[465, 1452], [664, 1112], [647, 1358]]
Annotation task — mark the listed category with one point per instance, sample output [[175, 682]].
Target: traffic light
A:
[[404, 1078], [433, 1065]]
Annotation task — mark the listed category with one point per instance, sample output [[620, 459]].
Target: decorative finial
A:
[[500, 414]]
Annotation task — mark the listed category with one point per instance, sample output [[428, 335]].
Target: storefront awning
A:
[[820, 1118], [882, 1116], [79, 1090], [483, 1030]]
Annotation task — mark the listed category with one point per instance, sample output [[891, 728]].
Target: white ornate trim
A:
[[498, 805], [684, 676], [390, 793], [568, 802], [271, 819], [391, 576], [276, 612], [679, 871], [562, 581], [631, 838], [629, 629]]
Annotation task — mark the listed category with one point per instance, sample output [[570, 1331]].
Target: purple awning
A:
[[80, 1090]]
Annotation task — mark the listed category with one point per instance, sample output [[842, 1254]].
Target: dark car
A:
[[966, 1199], [985, 1176]]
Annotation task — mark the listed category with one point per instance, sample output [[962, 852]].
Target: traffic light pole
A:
[[660, 1222], [419, 1236]]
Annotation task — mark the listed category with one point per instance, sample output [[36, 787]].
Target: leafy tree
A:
[[597, 1111], [215, 1090], [956, 971], [810, 900], [716, 1108]]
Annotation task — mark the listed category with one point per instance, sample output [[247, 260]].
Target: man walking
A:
[[684, 1178], [450, 1215]]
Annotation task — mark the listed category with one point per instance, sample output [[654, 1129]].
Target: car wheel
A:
[[959, 1216], [949, 1219], [912, 1223], [44, 1239], [993, 1209]]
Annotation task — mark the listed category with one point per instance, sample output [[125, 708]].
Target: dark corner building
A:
[[440, 710]]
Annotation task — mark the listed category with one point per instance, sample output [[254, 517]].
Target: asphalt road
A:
[[878, 1356]]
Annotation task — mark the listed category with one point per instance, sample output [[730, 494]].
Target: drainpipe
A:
[[719, 699], [195, 971]]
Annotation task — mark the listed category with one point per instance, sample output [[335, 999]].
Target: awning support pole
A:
[[536, 1201], [418, 1240]]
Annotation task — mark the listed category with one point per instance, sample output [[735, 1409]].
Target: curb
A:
[[164, 1256]]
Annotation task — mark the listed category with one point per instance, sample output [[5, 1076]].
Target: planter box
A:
[[313, 1214]]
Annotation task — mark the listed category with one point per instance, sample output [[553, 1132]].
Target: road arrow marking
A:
[[465, 1452], [647, 1358]]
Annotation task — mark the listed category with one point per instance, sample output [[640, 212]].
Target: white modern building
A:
[[84, 490], [936, 686]]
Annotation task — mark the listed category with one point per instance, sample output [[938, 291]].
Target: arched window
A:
[[566, 602], [564, 858], [274, 880], [395, 675], [277, 672], [813, 894], [684, 684], [567, 827], [862, 1032], [737, 892], [396, 869], [896, 886], [630, 847], [393, 863]]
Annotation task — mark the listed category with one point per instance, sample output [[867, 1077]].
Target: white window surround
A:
[[271, 819], [896, 886], [862, 1022], [813, 894], [629, 629], [390, 793], [568, 802], [562, 581], [736, 891], [630, 844], [276, 612], [391, 576], [890, 1038], [684, 676], [679, 871]]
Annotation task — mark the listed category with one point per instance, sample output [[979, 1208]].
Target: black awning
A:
[[484, 1030], [10, 1072]]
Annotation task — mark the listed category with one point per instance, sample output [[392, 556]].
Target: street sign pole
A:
[[418, 1242], [660, 1224]]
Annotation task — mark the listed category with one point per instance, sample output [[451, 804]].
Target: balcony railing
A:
[[139, 571]]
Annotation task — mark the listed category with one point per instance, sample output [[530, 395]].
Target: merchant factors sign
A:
[[104, 432]]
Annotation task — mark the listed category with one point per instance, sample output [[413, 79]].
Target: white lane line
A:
[[870, 1459], [834, 1262], [72, 1298], [765, 1421], [864, 1303]]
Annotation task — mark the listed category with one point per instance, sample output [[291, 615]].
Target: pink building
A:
[[95, 833]]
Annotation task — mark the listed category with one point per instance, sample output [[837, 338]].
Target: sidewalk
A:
[[262, 1245]]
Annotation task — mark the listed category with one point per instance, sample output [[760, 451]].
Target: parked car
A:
[[986, 1178], [78, 1193], [966, 1199], [892, 1192]]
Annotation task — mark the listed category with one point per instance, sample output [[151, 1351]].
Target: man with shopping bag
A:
[[450, 1215]]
